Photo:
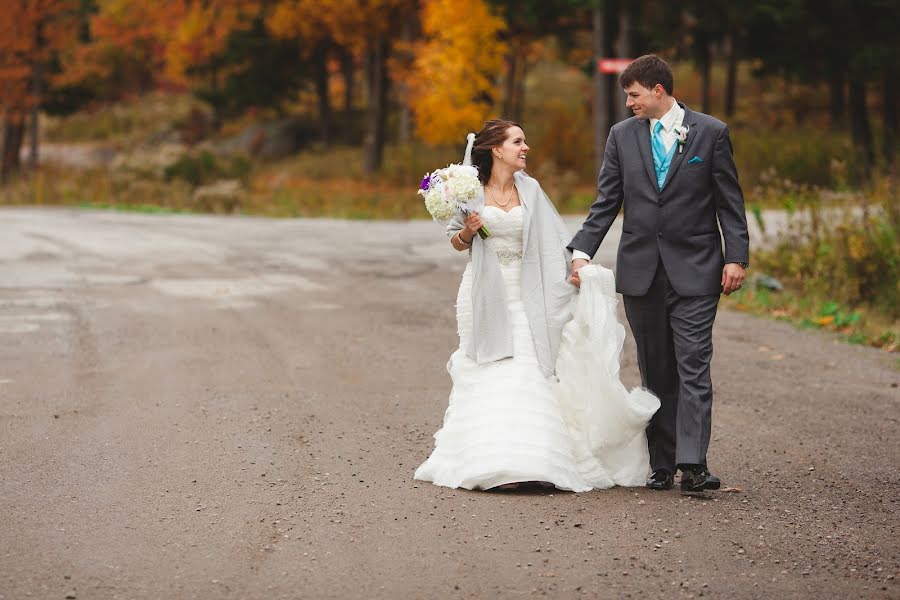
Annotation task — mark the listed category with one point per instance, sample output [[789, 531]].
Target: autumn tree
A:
[[528, 21], [133, 47], [123, 50], [453, 80], [259, 71], [350, 30], [195, 39], [32, 33], [316, 28]]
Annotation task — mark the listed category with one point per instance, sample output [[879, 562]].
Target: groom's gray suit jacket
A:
[[678, 223]]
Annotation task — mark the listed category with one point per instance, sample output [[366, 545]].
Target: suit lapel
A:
[[642, 131], [690, 118]]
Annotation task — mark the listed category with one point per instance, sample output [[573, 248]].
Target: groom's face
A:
[[645, 103]]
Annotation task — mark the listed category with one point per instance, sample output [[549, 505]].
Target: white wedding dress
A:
[[506, 422]]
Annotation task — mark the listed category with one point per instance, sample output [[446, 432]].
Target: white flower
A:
[[450, 189], [462, 171], [463, 187], [438, 203]]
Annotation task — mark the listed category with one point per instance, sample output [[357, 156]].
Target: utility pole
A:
[[623, 50], [601, 91]]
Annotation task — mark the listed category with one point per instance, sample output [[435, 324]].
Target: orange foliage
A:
[[197, 30], [453, 76], [31, 32], [127, 43], [144, 42], [350, 23]]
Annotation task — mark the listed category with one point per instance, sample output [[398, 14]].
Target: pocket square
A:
[[696, 159]]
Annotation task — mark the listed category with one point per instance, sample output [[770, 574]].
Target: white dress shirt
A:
[[672, 119]]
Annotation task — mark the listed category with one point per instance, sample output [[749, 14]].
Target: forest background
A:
[[336, 108]]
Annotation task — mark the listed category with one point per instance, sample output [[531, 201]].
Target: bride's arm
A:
[[462, 230], [463, 238], [458, 241]]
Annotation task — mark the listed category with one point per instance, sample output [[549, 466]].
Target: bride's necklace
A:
[[508, 196]]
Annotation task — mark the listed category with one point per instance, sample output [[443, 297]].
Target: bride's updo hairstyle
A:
[[493, 134]]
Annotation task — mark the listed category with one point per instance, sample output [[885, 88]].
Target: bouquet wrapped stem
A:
[[483, 232]]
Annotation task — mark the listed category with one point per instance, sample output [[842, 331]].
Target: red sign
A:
[[613, 65]]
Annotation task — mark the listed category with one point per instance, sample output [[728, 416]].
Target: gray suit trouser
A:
[[673, 335]]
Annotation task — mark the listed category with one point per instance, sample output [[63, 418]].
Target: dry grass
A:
[[840, 269]]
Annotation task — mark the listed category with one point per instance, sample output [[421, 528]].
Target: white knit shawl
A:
[[546, 291]]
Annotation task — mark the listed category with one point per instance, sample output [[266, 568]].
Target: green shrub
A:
[[840, 267], [849, 255], [808, 156]]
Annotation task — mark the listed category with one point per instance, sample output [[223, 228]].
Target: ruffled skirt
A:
[[506, 422]]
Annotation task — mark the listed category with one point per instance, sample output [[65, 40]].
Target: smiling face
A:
[[646, 104], [514, 151]]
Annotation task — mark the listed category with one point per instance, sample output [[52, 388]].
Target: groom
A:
[[673, 170]]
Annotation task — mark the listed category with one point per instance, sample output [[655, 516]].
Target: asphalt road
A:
[[231, 407]]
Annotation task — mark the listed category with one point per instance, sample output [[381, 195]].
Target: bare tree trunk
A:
[[601, 91], [704, 64], [37, 74], [859, 121], [890, 116], [378, 84], [218, 104], [348, 72], [623, 50], [637, 39], [509, 84], [320, 58], [35, 117], [519, 104], [614, 94], [404, 132], [837, 104], [13, 134], [731, 81]]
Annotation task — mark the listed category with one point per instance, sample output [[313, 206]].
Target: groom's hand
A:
[[732, 278], [576, 265]]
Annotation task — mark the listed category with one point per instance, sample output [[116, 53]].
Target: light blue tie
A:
[[661, 158]]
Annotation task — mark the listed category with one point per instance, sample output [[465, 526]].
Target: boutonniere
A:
[[681, 132]]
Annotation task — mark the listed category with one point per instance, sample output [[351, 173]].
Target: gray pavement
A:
[[233, 407]]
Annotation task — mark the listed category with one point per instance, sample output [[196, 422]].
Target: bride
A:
[[536, 392]]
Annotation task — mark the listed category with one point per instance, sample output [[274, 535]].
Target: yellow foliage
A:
[[454, 74]]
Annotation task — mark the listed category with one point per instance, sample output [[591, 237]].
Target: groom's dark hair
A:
[[648, 70]]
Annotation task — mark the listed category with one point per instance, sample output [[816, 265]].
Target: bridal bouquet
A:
[[450, 189]]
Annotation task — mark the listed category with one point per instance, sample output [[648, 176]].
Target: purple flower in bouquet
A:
[[449, 190]]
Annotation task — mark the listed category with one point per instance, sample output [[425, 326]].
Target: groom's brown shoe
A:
[[697, 478], [661, 479]]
